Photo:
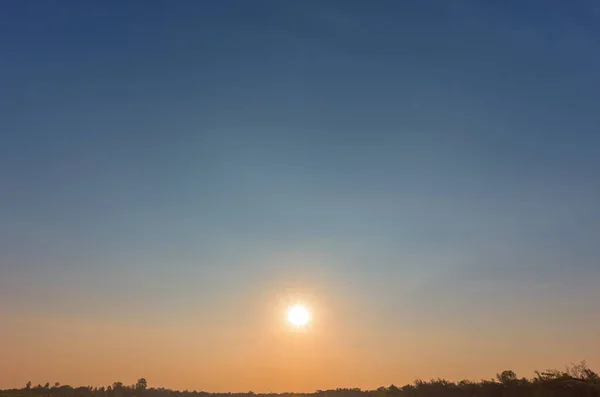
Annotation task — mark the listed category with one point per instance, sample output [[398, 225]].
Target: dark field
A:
[[577, 380]]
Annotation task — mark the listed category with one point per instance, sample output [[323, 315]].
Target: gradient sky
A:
[[423, 174]]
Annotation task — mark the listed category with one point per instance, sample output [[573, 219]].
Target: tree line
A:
[[576, 380]]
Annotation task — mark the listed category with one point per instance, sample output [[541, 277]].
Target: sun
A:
[[298, 315]]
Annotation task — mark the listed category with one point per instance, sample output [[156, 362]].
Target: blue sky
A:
[[433, 159]]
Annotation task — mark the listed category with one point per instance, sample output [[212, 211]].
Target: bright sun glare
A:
[[298, 315]]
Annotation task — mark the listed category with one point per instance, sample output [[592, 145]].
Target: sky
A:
[[423, 175]]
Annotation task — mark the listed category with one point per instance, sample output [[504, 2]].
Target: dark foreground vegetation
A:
[[576, 381]]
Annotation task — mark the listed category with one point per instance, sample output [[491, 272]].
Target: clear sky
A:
[[423, 174]]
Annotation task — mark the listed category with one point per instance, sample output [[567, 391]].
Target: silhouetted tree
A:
[[141, 384], [580, 370], [506, 377]]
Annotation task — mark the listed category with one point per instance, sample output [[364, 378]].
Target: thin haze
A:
[[423, 173]]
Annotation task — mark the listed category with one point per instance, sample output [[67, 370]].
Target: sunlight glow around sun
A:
[[298, 315]]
